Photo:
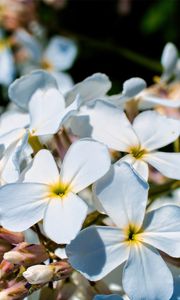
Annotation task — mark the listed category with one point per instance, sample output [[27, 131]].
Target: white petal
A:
[[10, 165], [22, 89], [120, 192], [12, 137], [162, 229], [43, 169], [60, 53], [67, 214], [107, 297], [133, 87], [139, 165], [96, 251], [166, 163], [11, 120], [45, 110], [22, 205], [69, 111], [108, 124], [155, 130], [146, 275], [168, 60], [84, 163], [161, 101], [93, 87], [64, 81]]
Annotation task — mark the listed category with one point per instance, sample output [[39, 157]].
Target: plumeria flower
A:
[[107, 297], [47, 114], [47, 194], [140, 140], [98, 250]]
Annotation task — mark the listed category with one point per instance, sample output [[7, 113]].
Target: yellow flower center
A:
[[58, 189], [132, 234], [137, 152]]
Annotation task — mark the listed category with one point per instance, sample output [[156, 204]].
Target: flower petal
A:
[[168, 60], [22, 89], [45, 110], [162, 229], [22, 205], [161, 101], [84, 163], [93, 87], [96, 251], [60, 53], [142, 278], [120, 192], [166, 163], [67, 214], [139, 165], [132, 87], [43, 169], [108, 124], [151, 128], [11, 120]]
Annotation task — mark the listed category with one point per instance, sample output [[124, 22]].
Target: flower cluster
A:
[[81, 176]]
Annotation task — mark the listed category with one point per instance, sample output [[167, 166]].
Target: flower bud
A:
[[26, 254], [39, 274], [13, 257], [11, 237], [16, 291]]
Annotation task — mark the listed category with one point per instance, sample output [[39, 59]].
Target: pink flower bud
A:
[[38, 274]]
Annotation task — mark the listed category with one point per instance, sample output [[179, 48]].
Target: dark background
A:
[[120, 43]]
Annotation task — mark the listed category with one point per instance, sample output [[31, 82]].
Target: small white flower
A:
[[97, 250], [47, 194], [148, 132], [47, 113]]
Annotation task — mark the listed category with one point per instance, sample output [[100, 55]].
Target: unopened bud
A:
[[39, 274], [12, 237], [13, 257], [15, 292], [26, 254]]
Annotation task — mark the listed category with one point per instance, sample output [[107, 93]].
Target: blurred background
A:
[[121, 38]]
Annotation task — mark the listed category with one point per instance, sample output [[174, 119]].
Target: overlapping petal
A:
[[108, 124], [85, 162], [120, 192], [22, 89], [45, 110], [93, 87], [96, 251]]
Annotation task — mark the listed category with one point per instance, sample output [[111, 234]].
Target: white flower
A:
[[60, 53], [47, 113], [46, 194], [148, 132], [97, 250]]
